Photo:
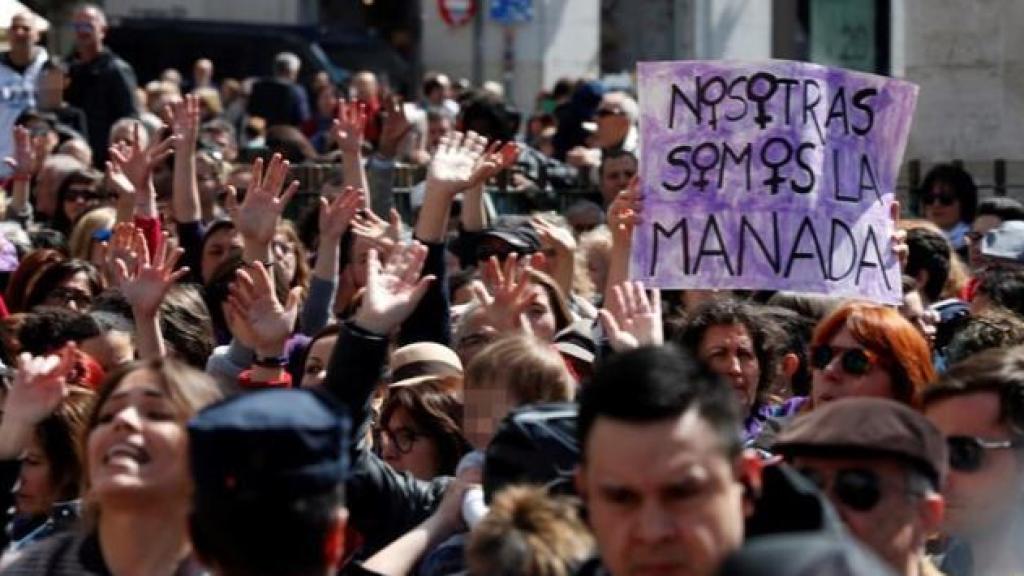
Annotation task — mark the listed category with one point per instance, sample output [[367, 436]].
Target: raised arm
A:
[[489, 165], [257, 216], [144, 286], [347, 132], [335, 218], [137, 164], [23, 164], [185, 203], [624, 213], [40, 384], [634, 320]]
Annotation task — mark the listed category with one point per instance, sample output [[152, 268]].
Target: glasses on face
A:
[[854, 361], [858, 489], [79, 195], [402, 439], [63, 296], [944, 199], [967, 453], [605, 112]]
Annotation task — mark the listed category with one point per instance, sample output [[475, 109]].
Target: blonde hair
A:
[[530, 370], [80, 243], [529, 533], [596, 243]]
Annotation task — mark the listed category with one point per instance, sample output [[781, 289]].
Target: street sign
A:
[[457, 13], [512, 11]]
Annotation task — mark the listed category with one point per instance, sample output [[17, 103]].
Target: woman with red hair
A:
[[869, 350]]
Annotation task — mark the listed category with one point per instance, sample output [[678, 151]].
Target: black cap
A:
[[868, 428], [279, 444], [803, 554], [535, 444]]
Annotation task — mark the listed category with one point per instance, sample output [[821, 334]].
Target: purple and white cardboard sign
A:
[[773, 176]]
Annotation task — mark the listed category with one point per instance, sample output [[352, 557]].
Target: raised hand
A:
[[184, 120], [396, 126], [393, 290], [336, 216], [509, 295], [554, 237], [145, 286], [899, 236], [137, 163], [254, 314], [127, 243], [624, 213], [496, 158], [635, 319], [454, 165], [40, 384], [347, 127], [385, 236], [23, 163], [257, 216]]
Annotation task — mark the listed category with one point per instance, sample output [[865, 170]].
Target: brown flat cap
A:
[[868, 428]]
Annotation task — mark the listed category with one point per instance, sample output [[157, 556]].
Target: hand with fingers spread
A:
[[510, 294], [254, 314], [145, 285], [635, 319], [23, 163], [496, 158], [385, 236], [453, 167], [396, 126], [347, 127], [184, 120], [393, 290], [336, 216], [137, 163], [258, 214]]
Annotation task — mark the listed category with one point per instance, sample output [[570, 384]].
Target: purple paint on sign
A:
[[770, 176]]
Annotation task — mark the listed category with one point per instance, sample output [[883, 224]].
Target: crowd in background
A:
[[202, 375]]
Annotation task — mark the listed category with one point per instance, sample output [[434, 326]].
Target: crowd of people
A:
[[194, 383]]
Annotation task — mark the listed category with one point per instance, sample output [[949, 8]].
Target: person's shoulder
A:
[[58, 555]]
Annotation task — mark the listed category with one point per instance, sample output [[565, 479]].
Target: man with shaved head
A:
[[19, 68], [101, 84]]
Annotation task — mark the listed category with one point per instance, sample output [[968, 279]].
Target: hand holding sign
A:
[[770, 176]]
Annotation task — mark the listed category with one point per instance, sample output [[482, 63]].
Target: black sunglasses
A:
[[604, 112], [859, 489], [87, 195], [854, 361], [967, 453], [944, 199]]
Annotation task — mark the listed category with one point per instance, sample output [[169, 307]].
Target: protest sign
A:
[[773, 176]]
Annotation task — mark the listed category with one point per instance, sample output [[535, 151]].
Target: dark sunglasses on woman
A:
[[944, 199], [854, 361], [967, 453]]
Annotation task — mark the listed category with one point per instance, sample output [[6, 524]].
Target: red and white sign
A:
[[457, 13]]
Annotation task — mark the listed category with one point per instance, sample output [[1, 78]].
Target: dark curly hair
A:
[[437, 411], [764, 333]]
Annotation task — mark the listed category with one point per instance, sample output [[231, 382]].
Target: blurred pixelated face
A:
[[941, 206], [662, 498], [51, 88], [876, 502], [35, 493], [315, 370], [218, 249], [485, 404], [139, 446], [407, 448], [834, 381], [980, 502], [728, 350]]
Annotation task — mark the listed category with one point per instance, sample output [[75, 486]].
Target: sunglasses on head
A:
[[854, 361], [944, 199], [967, 453], [858, 489]]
